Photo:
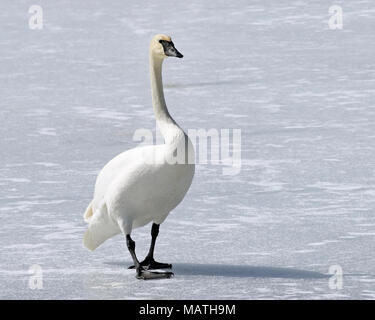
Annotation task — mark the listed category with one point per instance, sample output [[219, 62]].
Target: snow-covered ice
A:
[[73, 94]]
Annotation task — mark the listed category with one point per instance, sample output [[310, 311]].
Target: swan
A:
[[143, 184]]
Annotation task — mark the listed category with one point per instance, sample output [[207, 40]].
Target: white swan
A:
[[143, 184]]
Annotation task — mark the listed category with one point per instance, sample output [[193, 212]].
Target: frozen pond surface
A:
[[303, 95]]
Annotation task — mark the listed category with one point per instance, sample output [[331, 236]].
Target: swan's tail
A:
[[88, 213], [101, 227]]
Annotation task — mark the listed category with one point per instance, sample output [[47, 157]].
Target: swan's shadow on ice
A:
[[243, 271], [239, 271]]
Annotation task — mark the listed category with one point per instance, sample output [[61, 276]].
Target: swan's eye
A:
[[165, 42]]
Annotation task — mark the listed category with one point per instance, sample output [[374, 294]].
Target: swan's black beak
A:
[[178, 54], [170, 50]]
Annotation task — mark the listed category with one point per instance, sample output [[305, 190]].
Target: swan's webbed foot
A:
[[158, 265], [151, 264], [141, 272], [148, 275]]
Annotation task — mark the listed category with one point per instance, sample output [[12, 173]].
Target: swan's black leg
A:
[[149, 262], [131, 246], [141, 272]]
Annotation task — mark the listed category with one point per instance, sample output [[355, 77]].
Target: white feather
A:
[[144, 184]]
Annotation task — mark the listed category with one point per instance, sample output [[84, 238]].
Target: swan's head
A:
[[162, 46]]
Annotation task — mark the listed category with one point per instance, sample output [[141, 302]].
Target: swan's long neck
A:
[[168, 127]]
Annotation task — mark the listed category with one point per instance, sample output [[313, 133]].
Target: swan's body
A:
[[144, 184], [130, 192]]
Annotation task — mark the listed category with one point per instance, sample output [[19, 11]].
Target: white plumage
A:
[[143, 184]]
